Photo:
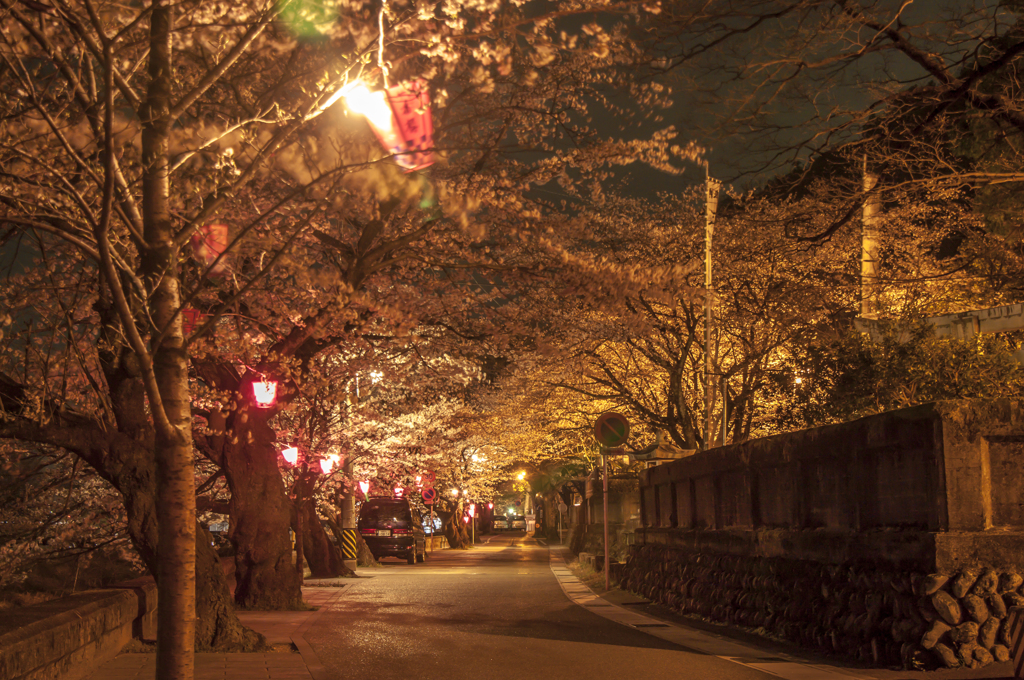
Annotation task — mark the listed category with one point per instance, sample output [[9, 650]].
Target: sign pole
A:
[[607, 559], [431, 527], [611, 431]]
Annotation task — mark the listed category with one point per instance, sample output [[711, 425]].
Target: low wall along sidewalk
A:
[[894, 539], [69, 637]]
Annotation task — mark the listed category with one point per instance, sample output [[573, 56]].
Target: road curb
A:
[[778, 664], [315, 667]]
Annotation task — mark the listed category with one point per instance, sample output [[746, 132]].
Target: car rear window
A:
[[387, 513]]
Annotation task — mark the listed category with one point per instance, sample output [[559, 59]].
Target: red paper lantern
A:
[[472, 509], [209, 241], [190, 318], [291, 454], [400, 117], [364, 487], [328, 463], [265, 393]]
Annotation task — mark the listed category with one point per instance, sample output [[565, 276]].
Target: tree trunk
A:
[[217, 626], [364, 558], [322, 554], [175, 483], [265, 577], [456, 537]]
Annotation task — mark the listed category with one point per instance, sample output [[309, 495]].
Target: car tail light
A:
[[400, 531], [369, 532]]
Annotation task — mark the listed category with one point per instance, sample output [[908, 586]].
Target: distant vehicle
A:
[[392, 527], [499, 524], [518, 522], [438, 526]]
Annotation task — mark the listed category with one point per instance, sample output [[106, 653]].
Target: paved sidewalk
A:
[[783, 660], [282, 629]]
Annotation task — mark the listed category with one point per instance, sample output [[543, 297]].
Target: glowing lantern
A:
[[328, 463], [490, 506], [364, 487], [455, 492], [399, 492], [291, 454], [190, 318], [465, 518], [472, 509], [400, 117], [419, 481], [265, 392], [208, 242]]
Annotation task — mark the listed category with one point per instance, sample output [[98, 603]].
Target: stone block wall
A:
[[938, 487], [895, 539], [68, 638], [875, 613]]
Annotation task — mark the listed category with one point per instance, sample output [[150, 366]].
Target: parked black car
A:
[[392, 527]]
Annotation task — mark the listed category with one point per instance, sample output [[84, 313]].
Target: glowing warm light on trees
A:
[[265, 393], [373, 105], [455, 492], [490, 506], [364, 486], [399, 492], [465, 519], [400, 117], [419, 480], [521, 476], [472, 509], [291, 454]]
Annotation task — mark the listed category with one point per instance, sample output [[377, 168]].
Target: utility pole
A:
[[711, 205], [348, 501], [869, 245], [348, 505]]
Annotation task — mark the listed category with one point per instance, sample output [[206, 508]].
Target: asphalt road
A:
[[490, 613]]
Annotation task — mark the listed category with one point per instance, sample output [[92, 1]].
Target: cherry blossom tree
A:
[[135, 129]]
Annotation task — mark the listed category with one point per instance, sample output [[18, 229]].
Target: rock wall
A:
[[870, 612]]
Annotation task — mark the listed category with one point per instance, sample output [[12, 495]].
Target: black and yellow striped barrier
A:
[[348, 544]]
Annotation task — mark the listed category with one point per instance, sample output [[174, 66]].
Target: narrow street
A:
[[493, 612]]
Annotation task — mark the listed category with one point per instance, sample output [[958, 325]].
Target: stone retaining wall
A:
[[68, 638], [895, 539], [872, 612], [939, 486]]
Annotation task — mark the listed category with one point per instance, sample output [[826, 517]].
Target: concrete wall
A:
[[939, 486], [68, 638]]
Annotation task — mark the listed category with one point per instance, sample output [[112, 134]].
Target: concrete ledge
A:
[[70, 637]]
